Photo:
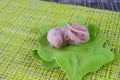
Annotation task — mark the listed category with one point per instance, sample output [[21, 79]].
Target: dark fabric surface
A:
[[113, 5]]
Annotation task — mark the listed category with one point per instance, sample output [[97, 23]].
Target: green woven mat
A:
[[19, 28]]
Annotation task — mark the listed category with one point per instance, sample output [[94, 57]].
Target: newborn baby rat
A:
[[71, 34]]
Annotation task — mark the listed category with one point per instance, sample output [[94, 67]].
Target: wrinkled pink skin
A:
[[71, 34], [55, 37]]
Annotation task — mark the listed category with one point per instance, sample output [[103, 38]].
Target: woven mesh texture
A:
[[19, 29]]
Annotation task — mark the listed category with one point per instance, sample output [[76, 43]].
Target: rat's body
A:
[[71, 34]]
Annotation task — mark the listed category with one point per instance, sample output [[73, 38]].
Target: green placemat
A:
[[19, 28]]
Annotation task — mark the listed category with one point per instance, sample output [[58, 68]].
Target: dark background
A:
[[113, 5]]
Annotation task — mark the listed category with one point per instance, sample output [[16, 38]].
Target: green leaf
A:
[[92, 30], [44, 28], [35, 55], [76, 61], [45, 64]]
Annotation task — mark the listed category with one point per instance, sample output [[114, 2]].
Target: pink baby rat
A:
[[55, 37], [71, 34]]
